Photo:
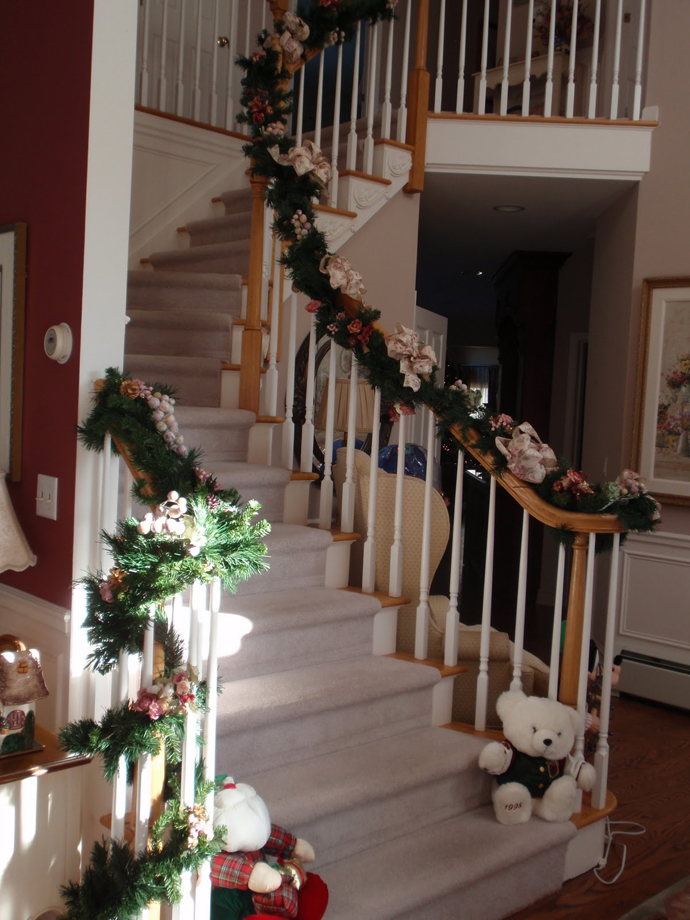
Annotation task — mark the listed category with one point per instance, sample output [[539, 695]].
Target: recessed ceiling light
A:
[[480, 273], [509, 208]]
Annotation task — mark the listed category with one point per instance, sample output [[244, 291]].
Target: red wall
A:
[[45, 68]]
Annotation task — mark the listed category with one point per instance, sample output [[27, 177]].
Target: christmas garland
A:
[[296, 177]]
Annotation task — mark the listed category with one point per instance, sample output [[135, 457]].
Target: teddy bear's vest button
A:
[[541, 769]]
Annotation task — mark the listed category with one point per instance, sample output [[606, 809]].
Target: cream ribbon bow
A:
[[415, 358], [342, 276], [528, 458], [305, 159]]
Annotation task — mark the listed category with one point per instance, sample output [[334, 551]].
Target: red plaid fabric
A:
[[283, 901], [281, 842]]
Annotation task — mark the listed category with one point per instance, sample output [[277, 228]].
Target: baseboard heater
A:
[[655, 679]]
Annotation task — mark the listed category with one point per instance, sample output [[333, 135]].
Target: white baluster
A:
[[519, 644], [214, 64], [548, 96], [371, 100], [347, 512], [369, 561], [396, 567], [119, 809], [460, 95], [326, 495], [336, 127], [505, 83], [162, 79], [438, 86], [179, 83], [592, 104], [232, 51], [450, 657], [570, 94], [387, 107], [584, 651], [197, 61], [248, 31], [144, 84], [319, 102], [601, 758], [351, 160], [615, 87], [528, 60], [484, 643], [557, 620], [637, 98], [402, 110], [271, 381], [307, 453], [421, 639], [264, 9], [485, 57], [300, 107], [288, 433], [143, 800]]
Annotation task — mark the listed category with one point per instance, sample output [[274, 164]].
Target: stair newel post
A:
[[421, 639], [395, 582], [418, 96], [570, 665], [252, 339], [369, 561], [450, 657], [484, 644]]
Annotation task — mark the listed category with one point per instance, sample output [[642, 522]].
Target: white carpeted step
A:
[[355, 799], [265, 484], [296, 715], [282, 630], [196, 335], [187, 291], [467, 868], [237, 200], [223, 258], [225, 229], [297, 558], [197, 380], [224, 433]]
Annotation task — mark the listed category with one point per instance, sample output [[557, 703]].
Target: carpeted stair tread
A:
[[266, 484], [237, 200], [224, 433], [297, 557], [188, 291], [224, 258], [198, 335], [197, 380], [466, 868], [230, 227]]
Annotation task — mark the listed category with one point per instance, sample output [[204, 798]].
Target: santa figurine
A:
[[259, 873]]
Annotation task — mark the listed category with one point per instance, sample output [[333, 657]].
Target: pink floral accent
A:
[[501, 421], [148, 702], [399, 409], [332, 328], [106, 592], [313, 306], [355, 326], [631, 484], [365, 334], [575, 483], [340, 316]]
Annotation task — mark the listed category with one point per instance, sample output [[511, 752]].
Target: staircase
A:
[[338, 741]]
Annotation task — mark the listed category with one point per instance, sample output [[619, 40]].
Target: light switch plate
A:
[[46, 497]]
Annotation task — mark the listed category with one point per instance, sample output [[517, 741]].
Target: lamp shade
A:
[[364, 418], [15, 552]]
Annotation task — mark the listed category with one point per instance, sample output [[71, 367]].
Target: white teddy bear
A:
[[534, 769]]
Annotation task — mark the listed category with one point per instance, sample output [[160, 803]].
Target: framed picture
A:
[[662, 409], [12, 302]]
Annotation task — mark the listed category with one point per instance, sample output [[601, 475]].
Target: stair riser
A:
[[291, 740], [220, 445], [179, 342], [183, 299], [230, 264], [223, 230], [299, 571], [193, 387]]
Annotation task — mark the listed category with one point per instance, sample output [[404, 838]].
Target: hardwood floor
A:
[[650, 776]]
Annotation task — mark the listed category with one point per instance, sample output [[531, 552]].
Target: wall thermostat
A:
[[58, 343]]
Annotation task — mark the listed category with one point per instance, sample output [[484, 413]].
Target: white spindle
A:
[[485, 57], [438, 86], [300, 108], [119, 809], [179, 82], [519, 644], [326, 495], [396, 570], [232, 51], [570, 93], [144, 85], [307, 452], [319, 101], [264, 9], [584, 651], [143, 800], [460, 95], [162, 79], [214, 64], [637, 98], [105, 521], [557, 620], [601, 758], [484, 643], [336, 127], [371, 100], [505, 83], [592, 104], [197, 61], [271, 381], [528, 59], [248, 31], [421, 639], [347, 512], [548, 96], [450, 657], [351, 160], [369, 561], [387, 107], [402, 110], [615, 87], [289, 425]]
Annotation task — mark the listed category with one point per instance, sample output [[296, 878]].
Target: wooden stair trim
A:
[[238, 321], [145, 261], [443, 669], [491, 734], [190, 121], [51, 758], [327, 209], [391, 143], [216, 200], [542, 119], [588, 815], [269, 419], [362, 175], [384, 599], [339, 536], [299, 476], [237, 367]]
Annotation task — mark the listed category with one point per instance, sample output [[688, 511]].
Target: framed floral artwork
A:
[[12, 298], [662, 410]]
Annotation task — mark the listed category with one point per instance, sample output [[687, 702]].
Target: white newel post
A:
[[369, 561]]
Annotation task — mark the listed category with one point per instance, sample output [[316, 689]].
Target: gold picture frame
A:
[[661, 436], [12, 308]]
